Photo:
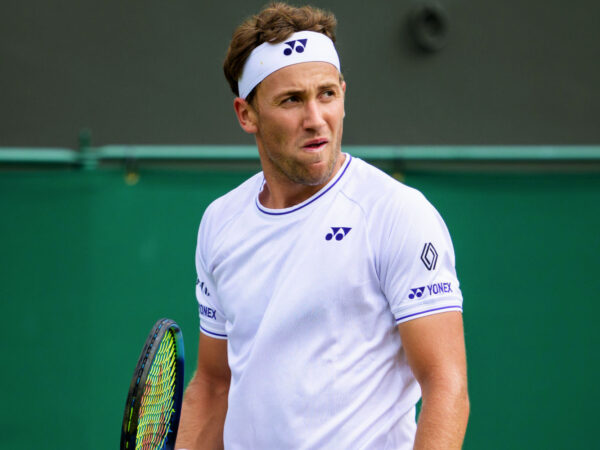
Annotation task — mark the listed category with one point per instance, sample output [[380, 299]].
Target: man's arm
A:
[[435, 350], [205, 399]]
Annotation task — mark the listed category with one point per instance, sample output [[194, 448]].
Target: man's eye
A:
[[291, 99]]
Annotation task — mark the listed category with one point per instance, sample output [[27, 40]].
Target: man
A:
[[327, 292]]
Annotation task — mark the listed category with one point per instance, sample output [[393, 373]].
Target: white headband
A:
[[303, 46]]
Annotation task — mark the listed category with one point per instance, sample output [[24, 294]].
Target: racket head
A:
[[153, 405]]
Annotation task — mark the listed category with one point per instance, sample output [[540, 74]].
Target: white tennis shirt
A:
[[309, 297]]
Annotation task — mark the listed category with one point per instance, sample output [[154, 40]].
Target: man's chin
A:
[[318, 173]]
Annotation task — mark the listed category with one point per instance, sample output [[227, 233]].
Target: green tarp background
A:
[[88, 262]]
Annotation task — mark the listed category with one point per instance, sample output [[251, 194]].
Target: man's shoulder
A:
[[233, 203], [241, 194], [373, 188]]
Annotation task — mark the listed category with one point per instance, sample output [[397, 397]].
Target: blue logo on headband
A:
[[299, 47]]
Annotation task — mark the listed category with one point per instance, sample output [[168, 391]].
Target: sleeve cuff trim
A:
[[429, 311], [212, 333]]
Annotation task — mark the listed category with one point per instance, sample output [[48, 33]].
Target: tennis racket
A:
[[153, 405]]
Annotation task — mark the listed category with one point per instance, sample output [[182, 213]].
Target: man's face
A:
[[299, 120]]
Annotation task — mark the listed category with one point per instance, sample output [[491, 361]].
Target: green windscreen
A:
[[90, 259]]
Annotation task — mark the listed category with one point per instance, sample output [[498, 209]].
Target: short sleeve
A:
[[417, 263], [212, 319]]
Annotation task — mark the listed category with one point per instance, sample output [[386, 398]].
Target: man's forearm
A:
[[443, 418], [203, 415]]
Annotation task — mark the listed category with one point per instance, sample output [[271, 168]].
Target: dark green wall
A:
[[89, 262], [513, 72]]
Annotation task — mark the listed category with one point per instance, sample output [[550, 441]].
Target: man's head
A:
[[273, 24], [290, 94]]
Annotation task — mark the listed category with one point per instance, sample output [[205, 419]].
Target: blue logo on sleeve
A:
[[202, 287], [432, 289], [416, 292], [429, 256], [298, 45], [208, 312]]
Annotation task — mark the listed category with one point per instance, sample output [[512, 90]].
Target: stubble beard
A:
[[297, 172], [301, 174]]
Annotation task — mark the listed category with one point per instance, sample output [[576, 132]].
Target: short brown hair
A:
[[274, 24]]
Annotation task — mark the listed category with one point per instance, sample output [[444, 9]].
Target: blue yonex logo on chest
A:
[[298, 45], [338, 233]]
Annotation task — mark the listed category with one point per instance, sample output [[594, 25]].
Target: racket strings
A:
[[157, 399]]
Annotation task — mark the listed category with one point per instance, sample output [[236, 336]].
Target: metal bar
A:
[[153, 152], [539, 154], [407, 153], [38, 155]]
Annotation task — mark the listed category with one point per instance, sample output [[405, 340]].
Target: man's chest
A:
[[314, 267]]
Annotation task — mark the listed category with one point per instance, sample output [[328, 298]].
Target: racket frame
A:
[[138, 382]]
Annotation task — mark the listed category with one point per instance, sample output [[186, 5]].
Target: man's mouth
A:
[[315, 144]]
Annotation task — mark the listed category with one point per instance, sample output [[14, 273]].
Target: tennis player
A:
[[327, 291]]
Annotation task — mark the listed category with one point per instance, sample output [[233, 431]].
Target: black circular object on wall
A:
[[428, 25]]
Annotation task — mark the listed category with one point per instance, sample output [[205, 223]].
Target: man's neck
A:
[[280, 192]]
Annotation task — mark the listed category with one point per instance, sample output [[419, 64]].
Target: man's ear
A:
[[344, 91], [246, 115]]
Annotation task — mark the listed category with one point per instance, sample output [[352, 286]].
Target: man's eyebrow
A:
[[329, 86], [289, 93], [300, 92]]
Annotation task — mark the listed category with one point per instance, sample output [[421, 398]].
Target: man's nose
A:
[[313, 115]]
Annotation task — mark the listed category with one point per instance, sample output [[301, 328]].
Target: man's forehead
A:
[[301, 76]]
